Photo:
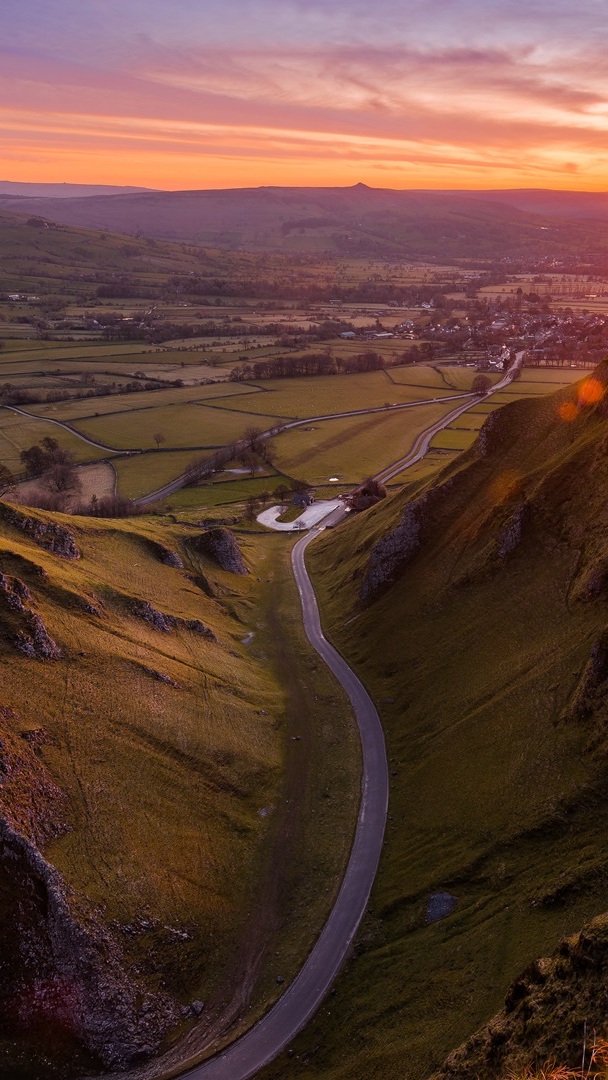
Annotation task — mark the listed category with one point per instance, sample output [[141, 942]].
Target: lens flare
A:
[[590, 391], [568, 412]]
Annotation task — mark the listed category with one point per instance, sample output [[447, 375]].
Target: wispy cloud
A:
[[481, 93]]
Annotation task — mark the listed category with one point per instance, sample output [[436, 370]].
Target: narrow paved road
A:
[[180, 481], [423, 441], [72, 430], [244, 1058], [275, 1031]]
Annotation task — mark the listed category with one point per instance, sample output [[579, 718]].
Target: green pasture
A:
[[461, 377], [434, 460], [453, 377], [453, 439], [182, 425], [463, 432], [142, 473], [226, 493], [80, 351], [18, 432], [417, 375], [318, 396], [352, 448], [559, 376], [143, 399]]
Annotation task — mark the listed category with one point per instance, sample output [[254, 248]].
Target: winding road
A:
[[72, 430], [262, 1043], [245, 1057]]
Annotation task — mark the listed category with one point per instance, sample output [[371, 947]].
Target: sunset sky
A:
[[236, 93]]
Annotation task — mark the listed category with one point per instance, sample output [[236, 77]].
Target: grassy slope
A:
[[494, 799], [167, 784]]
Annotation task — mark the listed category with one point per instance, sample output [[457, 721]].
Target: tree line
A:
[[321, 363]]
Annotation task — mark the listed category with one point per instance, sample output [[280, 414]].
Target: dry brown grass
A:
[[594, 1066]]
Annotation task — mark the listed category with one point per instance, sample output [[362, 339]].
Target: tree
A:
[[159, 439], [34, 460], [481, 384], [248, 460], [62, 479], [254, 440], [251, 508], [6, 477]]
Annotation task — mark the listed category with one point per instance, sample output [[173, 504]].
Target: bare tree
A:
[[62, 480], [159, 439]]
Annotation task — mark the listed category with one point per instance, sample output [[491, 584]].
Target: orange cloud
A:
[[390, 115]]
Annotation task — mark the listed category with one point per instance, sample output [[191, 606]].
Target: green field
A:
[[142, 473], [223, 493], [144, 399], [453, 439], [18, 432], [447, 377], [463, 432], [353, 448], [298, 398], [182, 426]]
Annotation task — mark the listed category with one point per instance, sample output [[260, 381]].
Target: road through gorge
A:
[[245, 1057], [249, 1054]]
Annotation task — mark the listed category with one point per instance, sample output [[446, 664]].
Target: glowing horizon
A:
[[173, 94]]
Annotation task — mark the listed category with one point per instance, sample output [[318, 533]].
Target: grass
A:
[[182, 425], [18, 432], [299, 398], [447, 377], [454, 439], [471, 660], [190, 802], [593, 1067], [142, 473], [462, 434], [148, 399], [222, 493], [352, 448]]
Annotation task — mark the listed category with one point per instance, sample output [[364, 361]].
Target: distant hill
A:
[[592, 205], [62, 191], [347, 221]]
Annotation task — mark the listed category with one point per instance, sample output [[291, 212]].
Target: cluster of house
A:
[[545, 338]]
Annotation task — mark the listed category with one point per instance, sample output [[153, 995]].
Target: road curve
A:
[[423, 440], [68, 427], [245, 1057], [180, 481]]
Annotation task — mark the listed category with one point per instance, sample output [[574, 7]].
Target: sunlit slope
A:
[[485, 648], [125, 669]]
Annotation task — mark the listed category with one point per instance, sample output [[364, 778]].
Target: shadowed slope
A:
[[484, 646]]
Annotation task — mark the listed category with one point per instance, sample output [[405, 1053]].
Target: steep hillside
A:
[[354, 221], [145, 749], [144, 804], [476, 611]]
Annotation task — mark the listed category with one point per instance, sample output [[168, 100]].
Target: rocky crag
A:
[[220, 546], [59, 964], [551, 1011]]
